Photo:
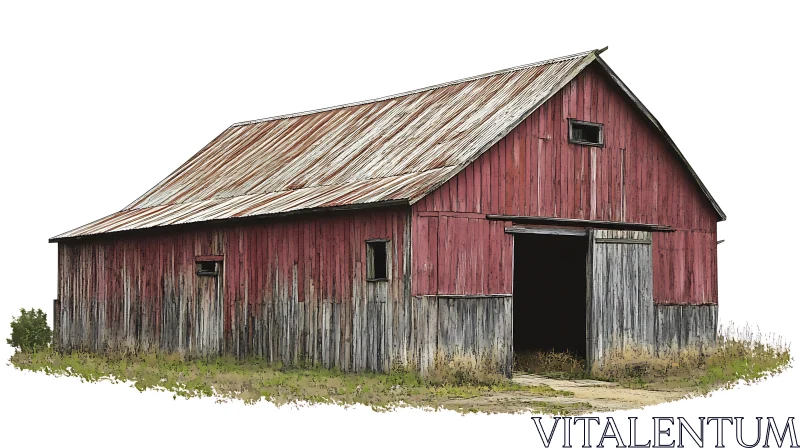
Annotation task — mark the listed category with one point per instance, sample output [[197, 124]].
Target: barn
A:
[[541, 207]]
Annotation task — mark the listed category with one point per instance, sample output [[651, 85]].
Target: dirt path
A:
[[588, 396], [601, 395]]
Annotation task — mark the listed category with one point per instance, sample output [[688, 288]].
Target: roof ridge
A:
[[420, 90]]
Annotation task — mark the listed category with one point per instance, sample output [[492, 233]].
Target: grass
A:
[[741, 355], [451, 385], [457, 384]]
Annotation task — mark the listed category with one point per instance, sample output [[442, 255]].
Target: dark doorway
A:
[[550, 293]]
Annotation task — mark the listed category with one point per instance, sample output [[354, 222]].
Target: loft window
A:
[[585, 133], [377, 259], [208, 268]]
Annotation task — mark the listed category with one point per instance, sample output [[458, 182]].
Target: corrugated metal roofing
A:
[[396, 148]]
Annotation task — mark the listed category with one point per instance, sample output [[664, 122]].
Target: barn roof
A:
[[394, 149]]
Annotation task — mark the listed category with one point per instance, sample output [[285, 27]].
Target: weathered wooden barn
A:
[[538, 207]]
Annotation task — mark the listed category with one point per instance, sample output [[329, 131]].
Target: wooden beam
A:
[[547, 231], [582, 223], [620, 241], [466, 296]]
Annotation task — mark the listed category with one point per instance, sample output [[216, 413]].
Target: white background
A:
[[98, 102]]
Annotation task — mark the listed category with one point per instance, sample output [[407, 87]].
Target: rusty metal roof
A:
[[394, 149]]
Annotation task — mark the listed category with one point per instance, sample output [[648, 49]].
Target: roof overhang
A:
[[243, 219]]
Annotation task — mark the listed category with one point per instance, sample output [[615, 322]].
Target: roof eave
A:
[[359, 206]]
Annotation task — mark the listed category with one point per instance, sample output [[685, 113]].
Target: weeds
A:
[[562, 365], [741, 354], [461, 370]]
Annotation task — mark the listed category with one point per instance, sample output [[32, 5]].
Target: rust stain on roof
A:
[[395, 148]]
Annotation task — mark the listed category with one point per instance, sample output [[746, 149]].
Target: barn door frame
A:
[[619, 294], [208, 334]]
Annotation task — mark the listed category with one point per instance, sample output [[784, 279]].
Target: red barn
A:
[[535, 208]]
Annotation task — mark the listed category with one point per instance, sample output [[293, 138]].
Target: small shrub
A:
[[29, 331]]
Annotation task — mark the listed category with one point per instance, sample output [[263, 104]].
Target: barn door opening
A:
[[549, 291], [207, 324], [620, 295]]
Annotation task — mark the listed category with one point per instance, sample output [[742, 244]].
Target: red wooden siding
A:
[[133, 289], [457, 253], [535, 171]]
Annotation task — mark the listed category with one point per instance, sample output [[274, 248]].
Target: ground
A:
[[581, 396], [547, 382], [600, 395], [552, 383]]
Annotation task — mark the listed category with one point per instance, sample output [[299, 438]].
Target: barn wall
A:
[[535, 171], [293, 290], [681, 327], [460, 253], [463, 276]]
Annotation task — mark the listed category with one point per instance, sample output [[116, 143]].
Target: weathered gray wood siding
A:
[[292, 290], [471, 330], [476, 329], [685, 327], [620, 294], [207, 334]]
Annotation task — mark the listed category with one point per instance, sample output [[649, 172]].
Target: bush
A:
[[29, 331]]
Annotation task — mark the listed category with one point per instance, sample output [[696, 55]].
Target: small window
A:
[[377, 260], [208, 268], [585, 133]]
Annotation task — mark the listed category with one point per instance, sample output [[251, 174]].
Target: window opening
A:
[[585, 133], [377, 260]]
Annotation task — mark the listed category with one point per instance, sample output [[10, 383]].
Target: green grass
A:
[[251, 380]]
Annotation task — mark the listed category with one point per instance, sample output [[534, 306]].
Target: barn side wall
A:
[[535, 171], [293, 290]]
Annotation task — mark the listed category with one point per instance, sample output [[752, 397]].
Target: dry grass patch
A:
[[561, 365], [741, 354]]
